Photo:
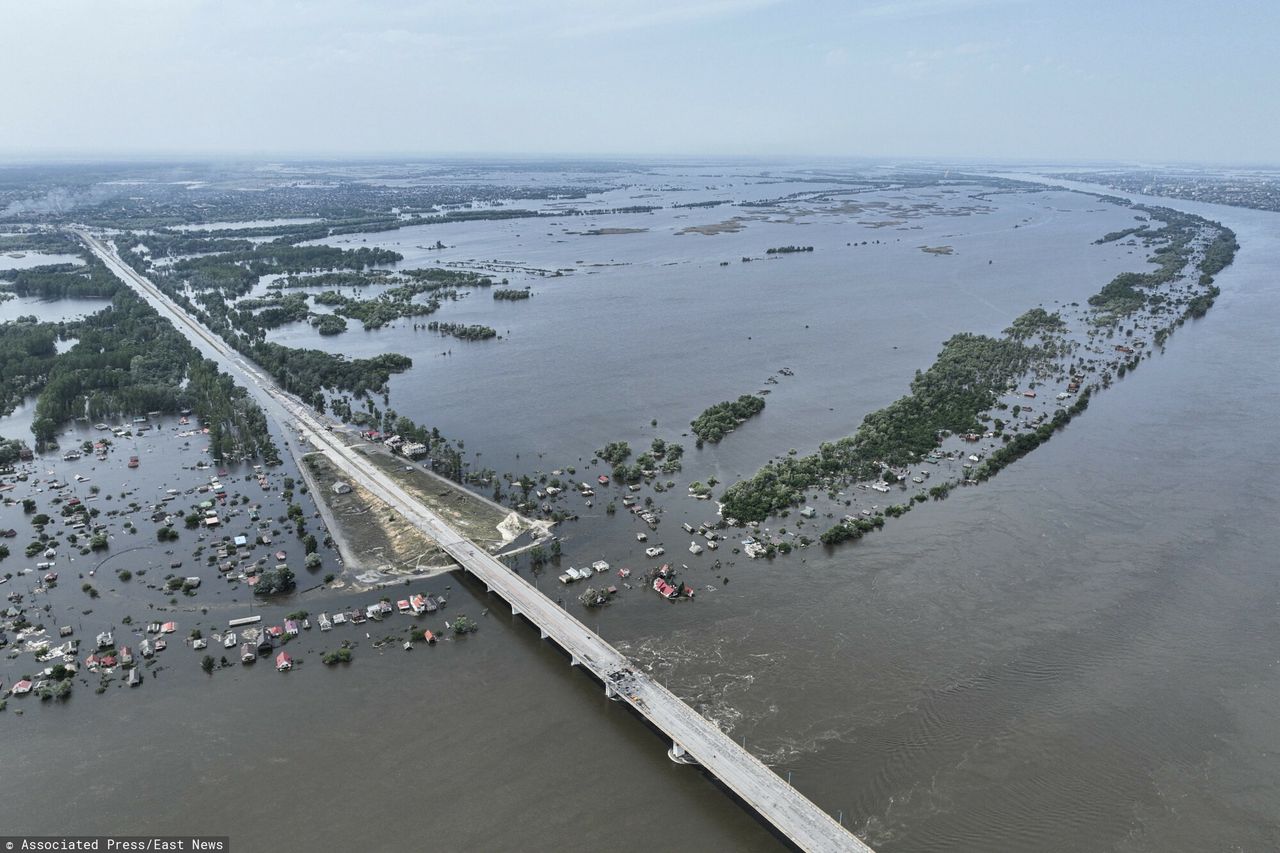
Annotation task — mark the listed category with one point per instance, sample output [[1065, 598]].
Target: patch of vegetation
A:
[[337, 656], [962, 383], [392, 304], [615, 452], [473, 332], [719, 420], [60, 281], [11, 451], [1113, 236], [1037, 321], [28, 350], [1121, 295], [329, 324], [511, 294], [306, 371], [127, 361], [275, 582]]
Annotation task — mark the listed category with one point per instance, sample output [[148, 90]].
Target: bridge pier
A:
[[677, 754], [612, 692], [573, 660]]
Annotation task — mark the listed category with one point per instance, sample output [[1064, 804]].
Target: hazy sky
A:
[[1059, 79]]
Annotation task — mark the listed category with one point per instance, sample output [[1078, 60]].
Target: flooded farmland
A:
[[1074, 655]]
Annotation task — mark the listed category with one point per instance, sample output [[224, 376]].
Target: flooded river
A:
[[1078, 655]]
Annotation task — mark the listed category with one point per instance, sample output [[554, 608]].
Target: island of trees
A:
[[719, 420], [962, 383], [970, 373], [392, 304], [511, 294], [474, 332]]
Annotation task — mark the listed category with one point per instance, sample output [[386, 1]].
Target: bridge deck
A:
[[692, 735]]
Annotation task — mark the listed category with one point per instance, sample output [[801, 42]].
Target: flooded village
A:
[[139, 538], [639, 426], [711, 525], [141, 555]]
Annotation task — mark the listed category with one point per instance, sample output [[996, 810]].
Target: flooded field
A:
[[1078, 654]]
